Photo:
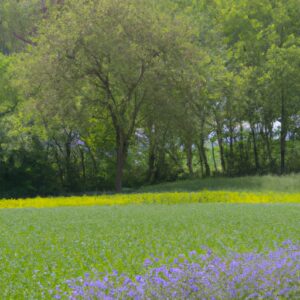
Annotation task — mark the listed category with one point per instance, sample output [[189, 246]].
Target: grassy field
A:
[[286, 184], [67, 237], [41, 248]]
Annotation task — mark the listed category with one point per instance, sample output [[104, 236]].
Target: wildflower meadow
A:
[[271, 275], [150, 251]]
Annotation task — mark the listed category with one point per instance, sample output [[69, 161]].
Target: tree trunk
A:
[[231, 140], [201, 163], [213, 156], [220, 142], [207, 168], [257, 167], [189, 156], [122, 147], [268, 141], [43, 6], [203, 157], [152, 153], [283, 133], [151, 163], [241, 148], [69, 173], [82, 159]]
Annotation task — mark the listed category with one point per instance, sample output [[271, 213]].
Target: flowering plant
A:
[[269, 275]]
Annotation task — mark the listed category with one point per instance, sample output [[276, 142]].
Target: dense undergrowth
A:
[[288, 184]]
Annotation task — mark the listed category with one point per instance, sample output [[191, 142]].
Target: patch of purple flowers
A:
[[270, 275]]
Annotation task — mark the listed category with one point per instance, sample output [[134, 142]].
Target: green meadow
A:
[[42, 248]]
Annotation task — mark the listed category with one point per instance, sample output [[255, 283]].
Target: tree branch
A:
[[24, 40]]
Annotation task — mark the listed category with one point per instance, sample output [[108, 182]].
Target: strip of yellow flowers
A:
[[159, 198]]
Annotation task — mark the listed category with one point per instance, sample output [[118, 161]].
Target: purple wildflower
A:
[[271, 275]]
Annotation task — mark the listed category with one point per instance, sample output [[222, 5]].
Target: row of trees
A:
[[100, 91]]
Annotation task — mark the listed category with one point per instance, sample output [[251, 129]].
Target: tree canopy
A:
[[95, 95]]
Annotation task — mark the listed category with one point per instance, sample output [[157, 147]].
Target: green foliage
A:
[[137, 92], [17, 23], [8, 95]]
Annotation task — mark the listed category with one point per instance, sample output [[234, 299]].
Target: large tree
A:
[[108, 54]]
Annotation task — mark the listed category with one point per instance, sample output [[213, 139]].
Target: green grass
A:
[[40, 248], [287, 184]]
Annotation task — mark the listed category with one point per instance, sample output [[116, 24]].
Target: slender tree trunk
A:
[[241, 146], [203, 157], [122, 147], [231, 140], [268, 140], [151, 163], [201, 145], [189, 157], [269, 153], [152, 153], [220, 142], [69, 173], [283, 133], [257, 167], [247, 149], [201, 163], [207, 168], [213, 156], [82, 159]]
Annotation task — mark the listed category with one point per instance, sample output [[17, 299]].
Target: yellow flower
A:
[[158, 198]]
